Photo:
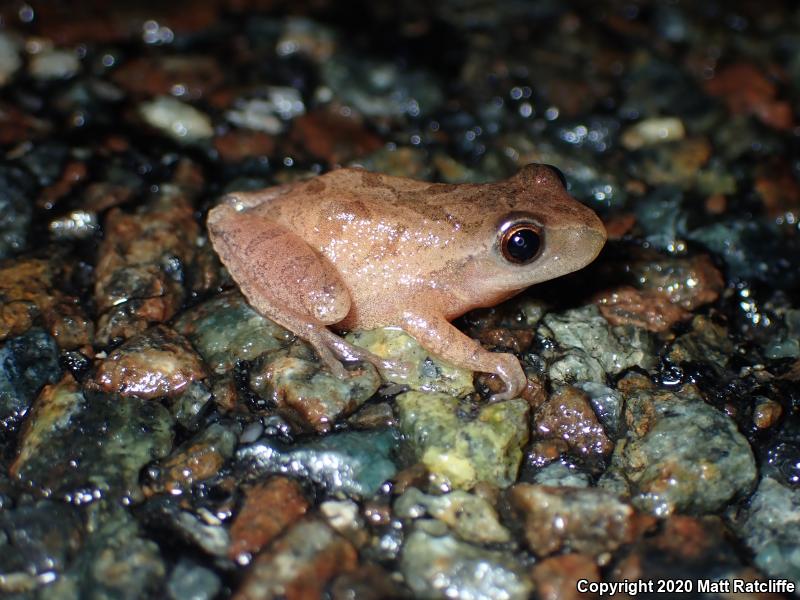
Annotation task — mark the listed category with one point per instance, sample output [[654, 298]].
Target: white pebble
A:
[[54, 64], [653, 131], [9, 57], [180, 121]]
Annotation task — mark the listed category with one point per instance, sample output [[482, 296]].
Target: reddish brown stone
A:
[[156, 363], [793, 374], [778, 189], [239, 144], [683, 544], [134, 285], [208, 273], [115, 144], [746, 90], [100, 21], [17, 126], [29, 291], [766, 413], [667, 291], [716, 204], [691, 155], [69, 324], [636, 187], [299, 565], [198, 459], [543, 452], [619, 225], [74, 173], [268, 509], [375, 415], [101, 196], [332, 137], [414, 476], [568, 416], [224, 392], [187, 76], [25, 291], [586, 520], [137, 242], [534, 393], [556, 577], [516, 340], [574, 97], [648, 309]]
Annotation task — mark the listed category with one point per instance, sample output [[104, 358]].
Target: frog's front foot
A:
[[507, 367]]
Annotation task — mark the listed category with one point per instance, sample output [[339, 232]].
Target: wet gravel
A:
[[160, 438]]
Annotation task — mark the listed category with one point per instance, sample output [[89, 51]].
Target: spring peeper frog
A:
[[354, 249]]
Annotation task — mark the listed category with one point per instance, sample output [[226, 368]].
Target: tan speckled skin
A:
[[354, 249]]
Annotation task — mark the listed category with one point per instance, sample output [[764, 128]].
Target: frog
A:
[[353, 249]]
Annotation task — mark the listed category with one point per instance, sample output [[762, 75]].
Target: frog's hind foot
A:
[[389, 369]]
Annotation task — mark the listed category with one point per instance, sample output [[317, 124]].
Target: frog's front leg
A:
[[285, 279], [442, 339]]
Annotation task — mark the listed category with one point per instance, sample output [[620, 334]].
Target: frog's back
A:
[[388, 202]]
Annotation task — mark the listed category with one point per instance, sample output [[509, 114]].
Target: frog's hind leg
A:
[[286, 280], [281, 276]]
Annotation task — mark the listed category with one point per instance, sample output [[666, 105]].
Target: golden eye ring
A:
[[522, 243]]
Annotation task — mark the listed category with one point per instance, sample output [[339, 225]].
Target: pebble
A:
[[54, 64], [294, 379], [191, 581], [268, 114], [469, 516], [350, 463], [590, 348], [589, 521], [10, 60], [27, 363], [426, 374], [153, 364], [568, 416], [269, 508], [180, 121], [437, 564], [196, 460], [57, 457], [770, 526], [459, 452], [225, 330], [653, 131], [299, 565], [681, 454]]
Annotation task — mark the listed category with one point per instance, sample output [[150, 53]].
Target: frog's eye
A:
[[521, 243], [559, 174]]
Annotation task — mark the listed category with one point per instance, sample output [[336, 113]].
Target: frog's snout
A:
[[595, 236]]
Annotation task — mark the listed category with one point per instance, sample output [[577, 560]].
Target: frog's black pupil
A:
[[523, 245]]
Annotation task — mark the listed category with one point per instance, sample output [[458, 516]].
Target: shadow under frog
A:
[[358, 250]]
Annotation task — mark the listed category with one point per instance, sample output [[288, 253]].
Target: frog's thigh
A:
[[278, 272]]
